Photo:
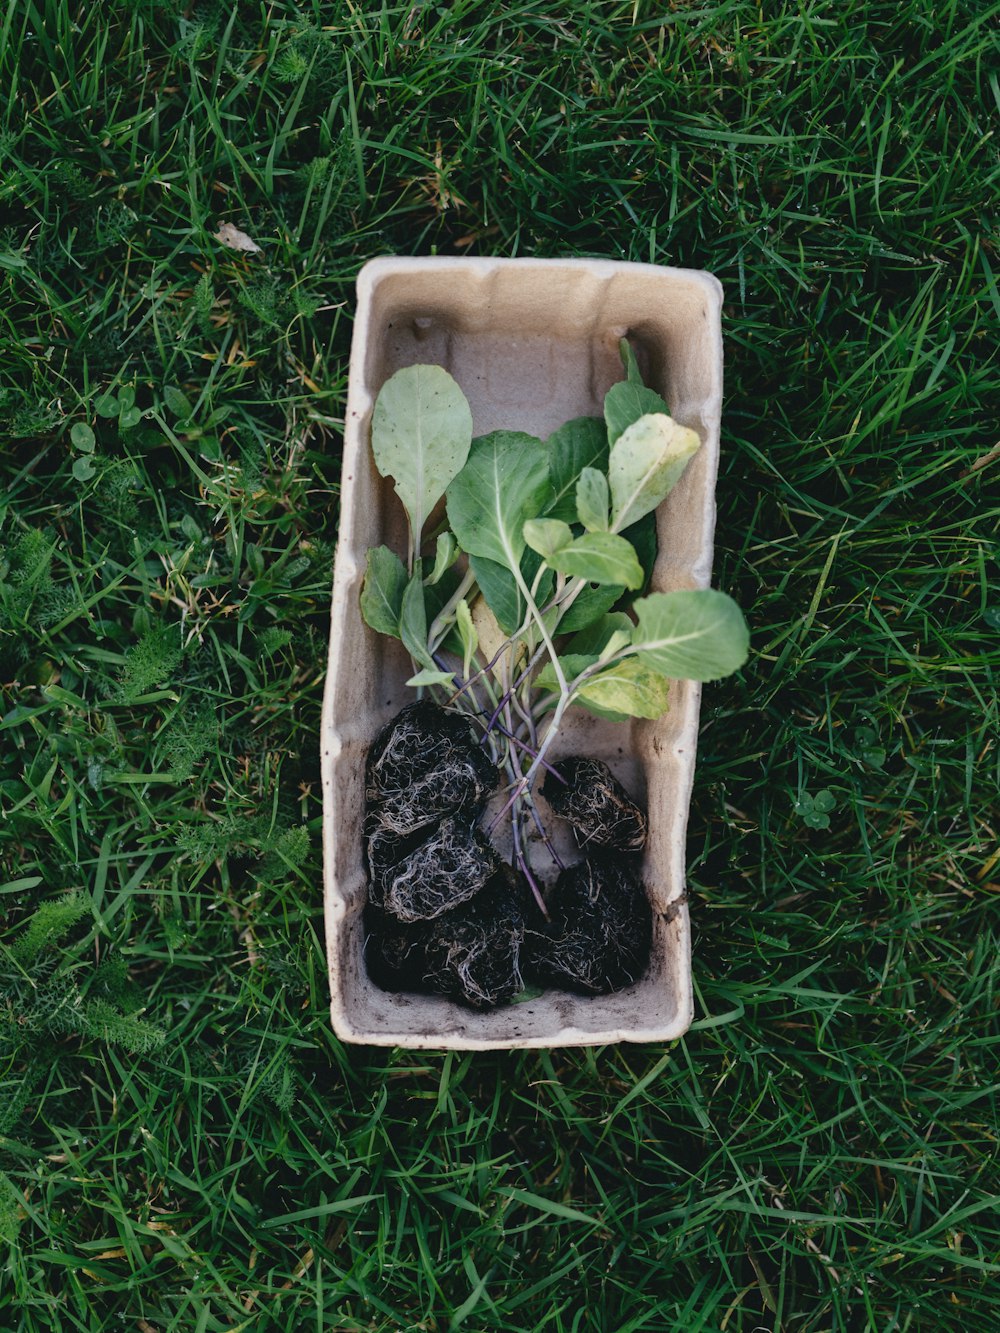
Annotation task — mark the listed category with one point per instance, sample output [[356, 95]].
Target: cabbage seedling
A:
[[525, 597]]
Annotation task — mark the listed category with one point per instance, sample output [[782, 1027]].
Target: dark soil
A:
[[601, 928], [443, 871], [384, 850], [395, 955], [425, 764], [596, 805], [446, 916], [474, 953]]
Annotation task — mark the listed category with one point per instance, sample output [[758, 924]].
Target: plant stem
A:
[[442, 621], [469, 706], [528, 749], [547, 841], [523, 677], [538, 762], [536, 615], [522, 861]]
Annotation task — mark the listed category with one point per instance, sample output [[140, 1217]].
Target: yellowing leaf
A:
[[646, 463], [490, 636], [626, 689]]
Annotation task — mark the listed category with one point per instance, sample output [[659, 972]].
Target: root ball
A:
[[600, 933], [597, 806]]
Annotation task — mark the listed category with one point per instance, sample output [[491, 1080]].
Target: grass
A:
[[185, 1146]]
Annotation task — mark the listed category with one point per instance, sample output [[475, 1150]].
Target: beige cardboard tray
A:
[[532, 342]]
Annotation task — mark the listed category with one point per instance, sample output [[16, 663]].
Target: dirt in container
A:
[[600, 931], [596, 805], [474, 953], [384, 850], [395, 954], [447, 916], [447, 868], [424, 764]]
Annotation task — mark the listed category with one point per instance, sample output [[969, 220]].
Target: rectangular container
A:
[[532, 342]]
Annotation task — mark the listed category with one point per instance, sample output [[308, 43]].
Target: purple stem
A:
[[493, 717], [513, 797], [521, 678], [483, 670], [546, 840], [532, 751], [549, 845], [519, 784], [442, 665], [522, 861]]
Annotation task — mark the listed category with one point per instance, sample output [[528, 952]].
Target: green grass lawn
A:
[[185, 1146]]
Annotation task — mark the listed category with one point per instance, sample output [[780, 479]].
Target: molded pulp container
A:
[[532, 342]]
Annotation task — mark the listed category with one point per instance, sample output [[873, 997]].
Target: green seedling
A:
[[195, 422], [814, 811], [511, 618], [84, 442], [120, 405]]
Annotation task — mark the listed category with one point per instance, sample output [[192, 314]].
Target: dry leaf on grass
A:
[[236, 240]]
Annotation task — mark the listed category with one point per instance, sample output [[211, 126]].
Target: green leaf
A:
[[600, 557], [504, 483], [451, 643], [619, 640], [593, 500], [625, 403], [83, 438], [126, 396], [628, 688], [176, 402], [573, 665], [107, 405], [129, 417], [413, 621], [642, 535], [49, 924], [580, 443], [646, 463], [191, 529], [869, 750], [596, 637], [446, 554], [500, 590], [632, 373], [421, 432], [691, 635], [382, 591], [432, 676], [437, 595], [467, 631], [589, 606], [547, 535], [815, 810], [83, 469]]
